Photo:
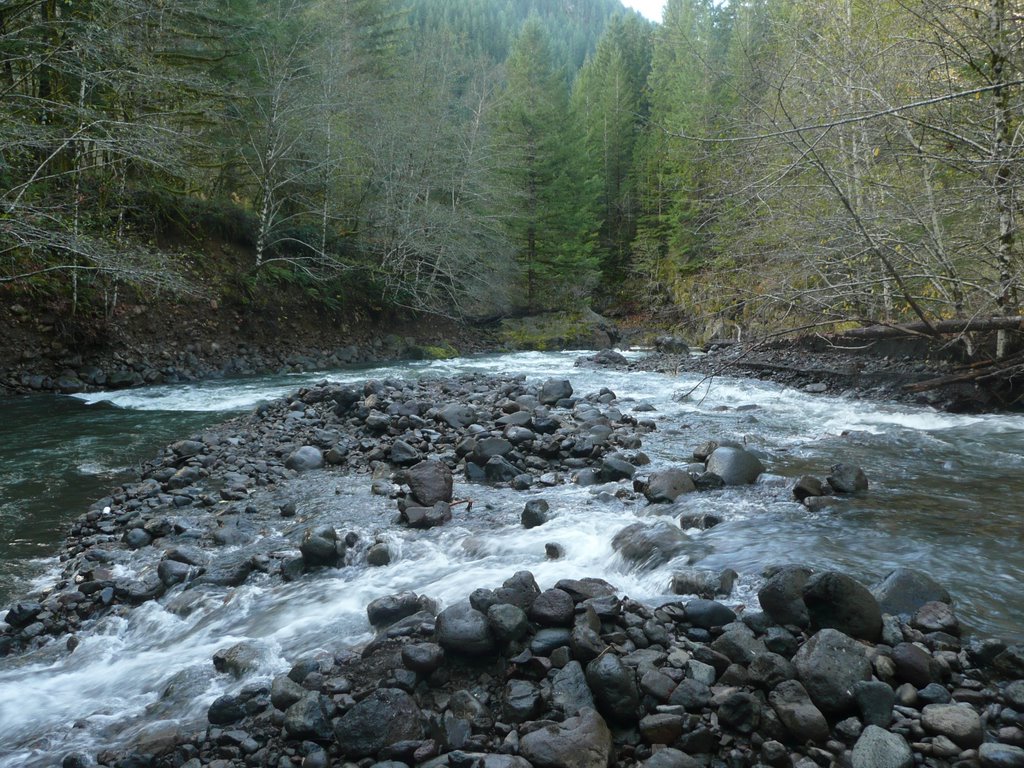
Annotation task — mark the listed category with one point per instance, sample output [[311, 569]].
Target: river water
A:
[[945, 497]]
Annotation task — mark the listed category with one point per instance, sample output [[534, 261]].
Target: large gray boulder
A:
[[879, 748], [836, 601], [430, 482], [583, 741], [463, 629], [847, 478], [904, 590], [553, 390], [385, 717], [666, 485], [648, 545], [736, 466], [305, 458], [829, 664]]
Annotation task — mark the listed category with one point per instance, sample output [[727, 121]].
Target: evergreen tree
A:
[[551, 229]]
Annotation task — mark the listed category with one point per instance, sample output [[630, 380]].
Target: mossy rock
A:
[[583, 329], [443, 351]]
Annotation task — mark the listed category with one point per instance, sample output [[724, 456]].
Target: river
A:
[[944, 497]]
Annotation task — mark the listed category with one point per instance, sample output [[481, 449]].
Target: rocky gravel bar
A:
[[824, 671]]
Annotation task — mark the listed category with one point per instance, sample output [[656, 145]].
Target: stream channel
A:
[[946, 496]]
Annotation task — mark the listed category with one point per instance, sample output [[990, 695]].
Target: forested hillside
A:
[[751, 164]]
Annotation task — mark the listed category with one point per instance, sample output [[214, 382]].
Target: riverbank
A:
[[310, 495], [905, 371]]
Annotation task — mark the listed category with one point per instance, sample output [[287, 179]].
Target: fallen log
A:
[[939, 327]]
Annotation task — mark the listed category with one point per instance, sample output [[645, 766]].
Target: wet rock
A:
[[936, 616], [661, 728], [798, 713], [829, 664], [284, 692], [388, 609], [740, 712], [378, 555], [305, 719], [1001, 756], [20, 615], [225, 710], [403, 454], [768, 669], [905, 590], [583, 741], [808, 486], [585, 589], [691, 694], [427, 517], [535, 513], [702, 521], [137, 538], [667, 485], [238, 660], [957, 722], [430, 482], [322, 547], [521, 701], [508, 622], [1010, 661], [879, 748], [422, 658], [553, 608], [782, 596], [171, 572], [708, 614], [304, 459], [836, 601], [914, 665], [385, 717], [457, 416], [519, 589], [553, 390], [874, 700], [736, 466], [847, 478], [613, 468], [569, 690], [614, 687], [499, 470], [463, 629], [669, 757], [704, 583]]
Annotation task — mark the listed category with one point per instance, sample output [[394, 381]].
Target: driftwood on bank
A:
[[936, 328]]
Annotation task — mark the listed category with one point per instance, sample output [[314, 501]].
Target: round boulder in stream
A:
[[736, 466], [430, 482]]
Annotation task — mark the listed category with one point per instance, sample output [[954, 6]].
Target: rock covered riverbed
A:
[[571, 673]]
